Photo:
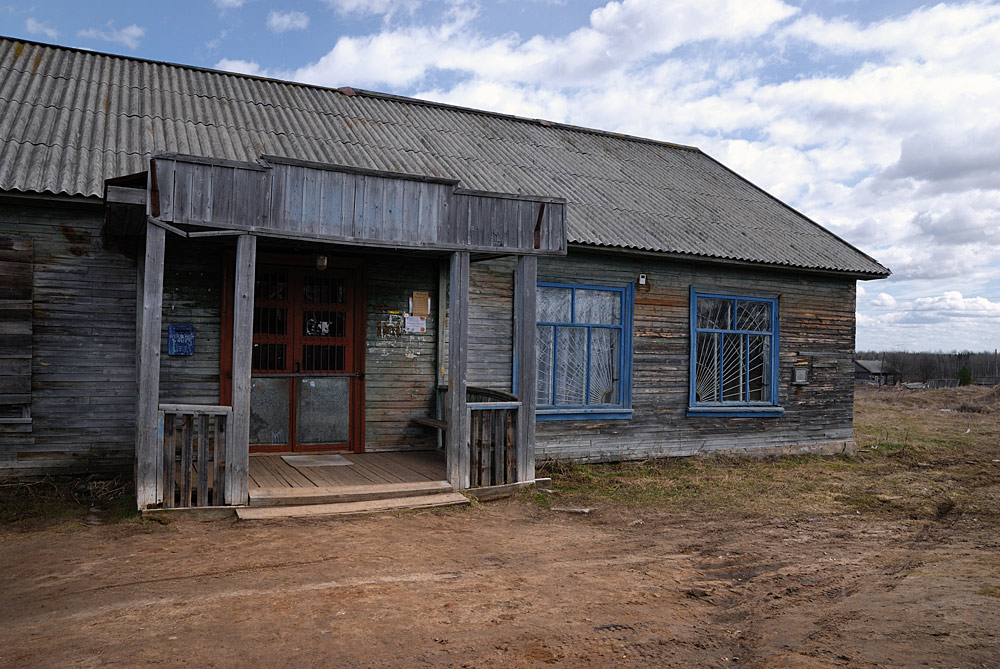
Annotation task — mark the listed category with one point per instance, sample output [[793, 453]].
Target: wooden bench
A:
[[472, 394]]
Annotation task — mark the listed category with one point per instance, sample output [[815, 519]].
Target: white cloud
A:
[[618, 34], [884, 300], [281, 22], [128, 36], [36, 27], [243, 67], [228, 4], [946, 322]]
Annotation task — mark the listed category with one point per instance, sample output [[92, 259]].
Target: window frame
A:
[[620, 410], [745, 408]]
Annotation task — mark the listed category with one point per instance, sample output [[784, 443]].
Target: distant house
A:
[[875, 372], [206, 273]]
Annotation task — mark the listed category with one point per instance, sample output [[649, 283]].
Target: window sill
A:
[[583, 414], [735, 411]]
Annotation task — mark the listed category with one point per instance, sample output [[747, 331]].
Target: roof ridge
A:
[[351, 91]]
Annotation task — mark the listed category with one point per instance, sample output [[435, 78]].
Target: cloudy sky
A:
[[879, 120]]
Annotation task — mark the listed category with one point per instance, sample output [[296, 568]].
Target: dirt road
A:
[[507, 584]]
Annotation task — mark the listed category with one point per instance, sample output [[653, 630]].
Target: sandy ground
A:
[[506, 584]]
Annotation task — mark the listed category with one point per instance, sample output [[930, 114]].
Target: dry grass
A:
[[41, 501], [930, 454]]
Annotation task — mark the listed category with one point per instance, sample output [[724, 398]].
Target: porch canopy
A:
[[283, 198]]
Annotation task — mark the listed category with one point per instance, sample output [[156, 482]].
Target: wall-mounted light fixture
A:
[[321, 263], [642, 279]]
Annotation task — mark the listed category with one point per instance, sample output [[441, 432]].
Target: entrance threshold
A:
[[278, 481]]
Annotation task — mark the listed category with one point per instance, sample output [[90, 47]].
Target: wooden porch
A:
[[487, 442], [281, 480]]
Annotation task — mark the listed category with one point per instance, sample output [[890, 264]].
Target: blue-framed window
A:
[[584, 351], [734, 355]]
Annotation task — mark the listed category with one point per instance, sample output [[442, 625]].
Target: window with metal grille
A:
[[734, 351], [584, 351]]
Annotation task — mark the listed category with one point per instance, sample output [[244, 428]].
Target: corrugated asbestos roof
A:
[[74, 118]]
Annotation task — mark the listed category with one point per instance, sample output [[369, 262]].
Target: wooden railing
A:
[[492, 437], [194, 454]]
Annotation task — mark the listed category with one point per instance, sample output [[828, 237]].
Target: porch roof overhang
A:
[[294, 199]]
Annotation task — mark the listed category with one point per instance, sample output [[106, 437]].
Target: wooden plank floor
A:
[[270, 471]]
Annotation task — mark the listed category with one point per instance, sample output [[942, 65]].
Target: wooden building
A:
[[875, 373], [205, 271]]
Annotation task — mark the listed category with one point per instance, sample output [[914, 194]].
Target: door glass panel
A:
[[270, 320], [271, 286], [268, 410], [326, 288], [316, 358], [268, 358], [323, 411], [322, 323]]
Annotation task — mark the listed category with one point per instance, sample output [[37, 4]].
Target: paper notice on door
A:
[[415, 324]]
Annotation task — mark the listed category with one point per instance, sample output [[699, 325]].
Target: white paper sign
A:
[[415, 324]]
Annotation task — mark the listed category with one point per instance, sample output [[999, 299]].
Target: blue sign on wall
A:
[[180, 339]]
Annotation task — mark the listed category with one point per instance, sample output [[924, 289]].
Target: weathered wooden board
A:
[[149, 460], [17, 270], [238, 438], [302, 200], [458, 354]]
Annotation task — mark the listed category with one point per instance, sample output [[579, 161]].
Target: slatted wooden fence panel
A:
[[492, 437], [194, 454]]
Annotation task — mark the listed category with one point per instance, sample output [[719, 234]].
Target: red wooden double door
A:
[[307, 370]]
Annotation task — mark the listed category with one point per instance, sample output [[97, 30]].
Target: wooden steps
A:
[[425, 501], [261, 497]]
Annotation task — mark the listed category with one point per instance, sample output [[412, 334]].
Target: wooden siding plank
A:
[[238, 442], [204, 469], [526, 278], [187, 459], [149, 462], [458, 331], [331, 204], [168, 422]]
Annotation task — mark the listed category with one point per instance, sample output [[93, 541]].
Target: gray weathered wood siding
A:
[[491, 314], [400, 368], [816, 327], [192, 284], [294, 199], [83, 340], [16, 267]]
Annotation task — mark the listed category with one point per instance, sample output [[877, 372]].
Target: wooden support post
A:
[[441, 377], [238, 437], [149, 439], [458, 358], [525, 279]]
